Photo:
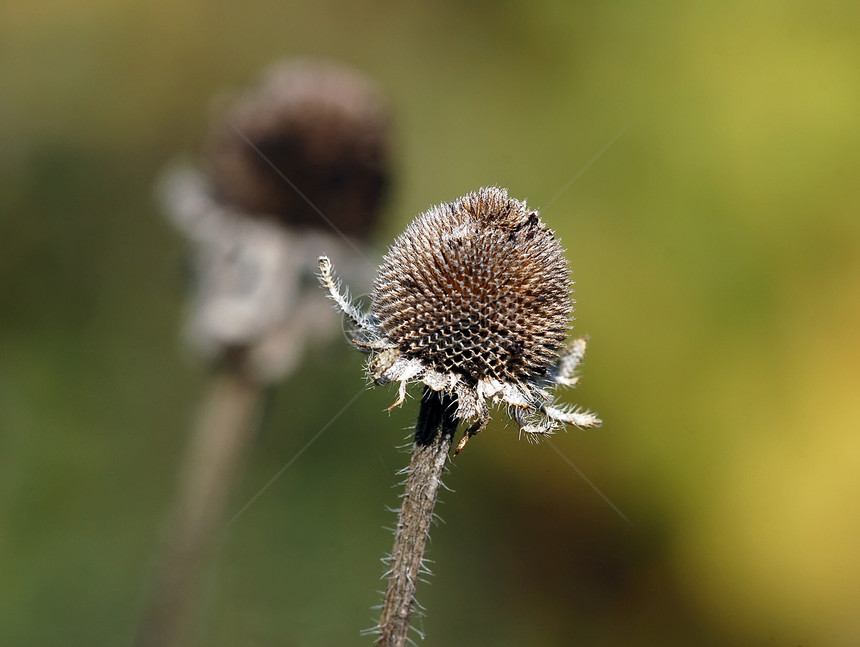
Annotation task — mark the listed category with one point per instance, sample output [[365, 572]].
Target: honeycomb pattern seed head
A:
[[478, 287], [312, 137], [473, 301]]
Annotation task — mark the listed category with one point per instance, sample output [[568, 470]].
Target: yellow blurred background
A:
[[716, 250]]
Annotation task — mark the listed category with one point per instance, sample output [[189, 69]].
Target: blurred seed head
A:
[[304, 149], [473, 300], [323, 127]]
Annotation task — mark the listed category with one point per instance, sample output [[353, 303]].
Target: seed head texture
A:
[[479, 287]]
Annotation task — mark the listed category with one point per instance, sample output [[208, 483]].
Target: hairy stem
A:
[[222, 433], [434, 434]]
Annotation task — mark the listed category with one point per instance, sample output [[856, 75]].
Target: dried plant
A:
[[325, 128], [298, 162], [472, 300], [310, 139]]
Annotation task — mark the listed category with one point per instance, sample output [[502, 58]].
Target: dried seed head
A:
[[479, 287], [473, 300], [321, 126], [304, 149]]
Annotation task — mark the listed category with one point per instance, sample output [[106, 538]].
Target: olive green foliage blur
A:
[[716, 252]]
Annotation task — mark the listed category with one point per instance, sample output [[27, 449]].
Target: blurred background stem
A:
[[222, 433]]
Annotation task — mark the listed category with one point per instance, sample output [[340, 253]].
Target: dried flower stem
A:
[[473, 301], [434, 434], [223, 431]]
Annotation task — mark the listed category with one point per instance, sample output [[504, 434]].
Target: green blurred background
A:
[[716, 249]]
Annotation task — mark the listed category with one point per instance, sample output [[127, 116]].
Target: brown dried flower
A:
[[312, 137], [473, 300], [297, 162]]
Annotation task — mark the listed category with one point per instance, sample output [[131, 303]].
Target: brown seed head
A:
[[478, 287], [325, 129]]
